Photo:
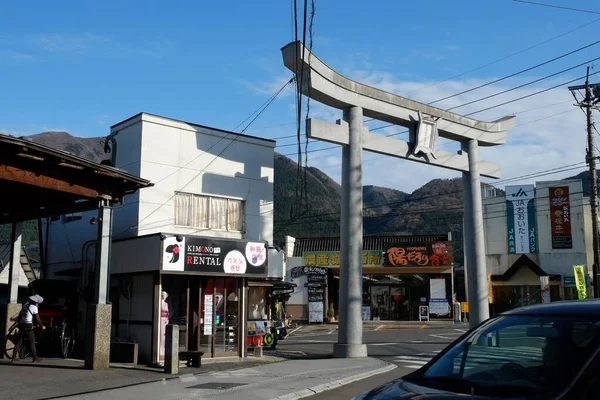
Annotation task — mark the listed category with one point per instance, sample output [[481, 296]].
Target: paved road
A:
[[409, 349]]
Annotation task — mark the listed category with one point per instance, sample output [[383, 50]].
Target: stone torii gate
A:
[[425, 123]]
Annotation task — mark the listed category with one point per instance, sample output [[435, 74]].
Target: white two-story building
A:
[[191, 249]]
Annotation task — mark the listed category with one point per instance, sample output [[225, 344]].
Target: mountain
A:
[[435, 208], [89, 148]]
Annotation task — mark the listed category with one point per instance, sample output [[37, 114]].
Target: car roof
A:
[[572, 308]]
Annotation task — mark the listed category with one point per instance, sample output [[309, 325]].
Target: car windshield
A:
[[516, 355]]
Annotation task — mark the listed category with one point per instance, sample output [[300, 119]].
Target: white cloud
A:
[[271, 87], [83, 44]]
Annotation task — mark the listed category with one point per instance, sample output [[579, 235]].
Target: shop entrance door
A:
[[220, 308], [388, 302]]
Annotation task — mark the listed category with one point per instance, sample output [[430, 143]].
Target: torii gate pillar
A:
[[350, 331]]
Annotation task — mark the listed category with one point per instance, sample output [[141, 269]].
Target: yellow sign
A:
[[332, 258], [580, 281], [464, 307]]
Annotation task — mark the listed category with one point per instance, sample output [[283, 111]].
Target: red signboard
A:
[[560, 218], [438, 254]]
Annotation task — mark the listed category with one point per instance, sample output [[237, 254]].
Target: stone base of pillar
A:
[[8, 316], [97, 342], [349, 350]]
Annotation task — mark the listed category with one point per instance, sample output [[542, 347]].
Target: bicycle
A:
[[10, 342], [63, 332]]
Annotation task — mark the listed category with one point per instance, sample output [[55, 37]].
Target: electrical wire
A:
[[555, 6], [552, 171], [502, 58], [518, 73]]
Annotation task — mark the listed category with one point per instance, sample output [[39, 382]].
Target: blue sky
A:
[[83, 66]]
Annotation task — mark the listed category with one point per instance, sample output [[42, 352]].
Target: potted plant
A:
[[331, 313]]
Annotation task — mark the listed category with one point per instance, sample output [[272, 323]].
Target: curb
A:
[[335, 384]]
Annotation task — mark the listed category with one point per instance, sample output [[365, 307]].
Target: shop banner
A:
[[490, 289], [218, 256], [580, 281], [333, 259], [438, 254], [545, 288], [208, 314], [560, 218], [520, 219]]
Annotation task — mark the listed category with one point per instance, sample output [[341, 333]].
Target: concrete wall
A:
[[136, 255]]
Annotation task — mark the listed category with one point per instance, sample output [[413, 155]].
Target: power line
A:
[[503, 58], [551, 171], [519, 73], [554, 6], [529, 95]]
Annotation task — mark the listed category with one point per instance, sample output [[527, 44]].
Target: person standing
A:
[[27, 318], [164, 321]]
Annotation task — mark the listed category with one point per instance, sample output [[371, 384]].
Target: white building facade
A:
[[213, 190], [536, 231]]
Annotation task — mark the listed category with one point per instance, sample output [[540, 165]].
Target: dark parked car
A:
[[548, 351]]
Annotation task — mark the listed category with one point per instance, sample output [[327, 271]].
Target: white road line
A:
[[294, 330], [412, 366], [331, 331], [379, 327], [382, 344], [461, 330], [416, 362]]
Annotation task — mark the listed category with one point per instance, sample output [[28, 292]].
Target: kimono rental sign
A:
[[520, 218]]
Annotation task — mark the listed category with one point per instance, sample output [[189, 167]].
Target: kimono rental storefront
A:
[[197, 283]]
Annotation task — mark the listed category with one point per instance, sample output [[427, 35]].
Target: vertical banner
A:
[[580, 281], [545, 288], [520, 219], [560, 218], [490, 289]]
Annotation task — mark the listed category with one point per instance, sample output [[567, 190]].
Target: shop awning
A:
[[401, 270]]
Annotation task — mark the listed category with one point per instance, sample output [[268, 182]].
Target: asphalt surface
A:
[[409, 349]]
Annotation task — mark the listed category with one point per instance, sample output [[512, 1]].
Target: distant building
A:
[[203, 234], [400, 275], [533, 233]]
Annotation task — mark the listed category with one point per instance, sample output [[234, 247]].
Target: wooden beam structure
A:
[[37, 181]]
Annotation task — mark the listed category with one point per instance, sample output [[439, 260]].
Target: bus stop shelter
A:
[[36, 182]]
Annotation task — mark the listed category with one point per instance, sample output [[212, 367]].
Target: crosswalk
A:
[[480, 356]]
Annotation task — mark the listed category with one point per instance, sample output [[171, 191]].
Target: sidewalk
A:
[[55, 378], [286, 380]]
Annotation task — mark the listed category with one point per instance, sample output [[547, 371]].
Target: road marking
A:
[[379, 327], [331, 331], [412, 366], [294, 330], [382, 344], [461, 330]]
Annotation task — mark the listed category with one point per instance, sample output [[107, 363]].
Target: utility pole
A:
[[589, 103]]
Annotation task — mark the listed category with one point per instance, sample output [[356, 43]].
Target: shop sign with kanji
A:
[[560, 217], [333, 258], [438, 254]]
